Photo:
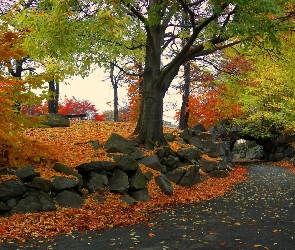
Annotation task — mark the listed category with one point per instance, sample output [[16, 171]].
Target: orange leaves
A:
[[72, 146]]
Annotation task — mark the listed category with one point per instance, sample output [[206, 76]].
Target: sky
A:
[[97, 88]]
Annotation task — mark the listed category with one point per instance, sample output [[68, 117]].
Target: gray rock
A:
[[4, 207], [199, 128], [153, 162], [137, 154], [137, 180], [189, 154], [148, 176], [96, 181], [95, 166], [69, 199], [141, 195], [169, 137], [164, 184], [119, 182], [218, 173], [195, 141], [8, 171], [187, 134], [40, 183], [175, 175], [124, 162], [33, 203], [208, 166], [59, 167], [11, 202], [11, 188], [204, 136], [191, 177], [56, 120], [171, 162], [60, 182], [127, 199], [27, 173], [164, 152], [95, 144], [99, 198], [118, 144]]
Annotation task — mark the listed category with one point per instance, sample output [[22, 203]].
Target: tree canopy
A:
[[82, 33]]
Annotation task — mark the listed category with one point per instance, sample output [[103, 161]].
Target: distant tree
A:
[[75, 106]]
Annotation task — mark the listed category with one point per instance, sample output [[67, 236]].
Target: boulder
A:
[[190, 177], [95, 166], [11, 188], [186, 134], [208, 166], [171, 162], [218, 173], [199, 128], [118, 144], [4, 207], [69, 199], [189, 154], [195, 141], [148, 176], [205, 136], [119, 182], [137, 180], [169, 137], [56, 120], [95, 144], [175, 175], [141, 195], [153, 162], [8, 171], [96, 181], [41, 184], [59, 167], [27, 174], [127, 199], [124, 162], [164, 184], [35, 202], [61, 182]]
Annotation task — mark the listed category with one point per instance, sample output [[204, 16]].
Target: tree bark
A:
[[184, 113], [149, 129], [52, 109], [115, 88]]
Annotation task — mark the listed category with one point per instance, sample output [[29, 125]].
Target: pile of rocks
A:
[[22, 190]]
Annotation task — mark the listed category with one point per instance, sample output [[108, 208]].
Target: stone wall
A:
[[23, 190]]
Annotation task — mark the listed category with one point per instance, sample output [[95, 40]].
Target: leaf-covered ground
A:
[[72, 146]]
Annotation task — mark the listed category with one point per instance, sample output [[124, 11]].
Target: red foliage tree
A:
[[75, 106]]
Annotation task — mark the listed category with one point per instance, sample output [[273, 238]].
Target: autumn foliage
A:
[[11, 90], [76, 106], [69, 146], [212, 100]]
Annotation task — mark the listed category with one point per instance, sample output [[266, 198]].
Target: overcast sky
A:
[[98, 89]]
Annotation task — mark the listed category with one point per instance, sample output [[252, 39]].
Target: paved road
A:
[[258, 214]]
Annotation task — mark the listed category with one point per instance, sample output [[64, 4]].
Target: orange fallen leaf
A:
[[151, 235]]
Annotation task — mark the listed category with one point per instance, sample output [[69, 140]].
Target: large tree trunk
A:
[[149, 129], [184, 113]]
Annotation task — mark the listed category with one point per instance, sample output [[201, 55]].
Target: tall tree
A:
[[95, 31]]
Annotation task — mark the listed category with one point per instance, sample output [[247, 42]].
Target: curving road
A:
[[258, 214]]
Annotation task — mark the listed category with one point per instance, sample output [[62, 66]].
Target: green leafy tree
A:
[[267, 95], [84, 33]]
